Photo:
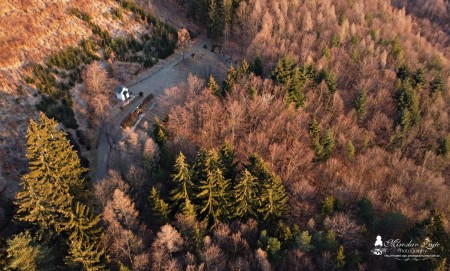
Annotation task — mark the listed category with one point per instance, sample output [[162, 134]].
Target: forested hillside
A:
[[44, 66], [331, 131]]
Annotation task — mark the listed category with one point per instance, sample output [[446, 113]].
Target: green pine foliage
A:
[[243, 69], [303, 241], [214, 193], [325, 242], [216, 20], [258, 168], [54, 178], [159, 207], [246, 196], [271, 191], [419, 78], [330, 81], [361, 105], [366, 212], [314, 133], [159, 133], [199, 167], [329, 78], [86, 253], [435, 231], [403, 72], [444, 146], [284, 71], [188, 209], [437, 85], [328, 205], [340, 258], [83, 224], [228, 162], [287, 73], [273, 248], [84, 239], [230, 81], [182, 193], [256, 66], [328, 144], [407, 100], [214, 87], [273, 200], [24, 253]]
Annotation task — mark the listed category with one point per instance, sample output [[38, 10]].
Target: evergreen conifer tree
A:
[[258, 168], [24, 253], [437, 85], [84, 239], [230, 81], [328, 144], [256, 66], [213, 86], [54, 178], [159, 207], [214, 197], [213, 191], [273, 199], [159, 133], [228, 162], [444, 146], [182, 192], [419, 78], [284, 71], [199, 168], [189, 209], [246, 196], [243, 69], [340, 258], [408, 105], [216, 22], [350, 150], [361, 105]]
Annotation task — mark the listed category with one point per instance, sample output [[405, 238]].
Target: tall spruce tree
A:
[[271, 191], [229, 82], [216, 22], [284, 71], [328, 144], [287, 73], [361, 105], [214, 87], [199, 167], [246, 196], [159, 133], [24, 253], [314, 132], [228, 162], [258, 168], [273, 199], [182, 192], [408, 105], [54, 178], [214, 197], [159, 207], [84, 239], [214, 194]]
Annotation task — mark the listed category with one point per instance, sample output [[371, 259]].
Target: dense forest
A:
[[332, 129]]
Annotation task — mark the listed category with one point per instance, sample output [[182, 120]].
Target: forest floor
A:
[[172, 71]]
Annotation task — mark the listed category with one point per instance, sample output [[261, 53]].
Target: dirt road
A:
[[170, 72]]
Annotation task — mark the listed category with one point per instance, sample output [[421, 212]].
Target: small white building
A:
[[122, 93]]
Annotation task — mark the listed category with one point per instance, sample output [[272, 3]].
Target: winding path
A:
[[164, 75]]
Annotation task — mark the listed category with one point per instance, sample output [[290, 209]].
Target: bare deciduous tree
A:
[[183, 39]]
